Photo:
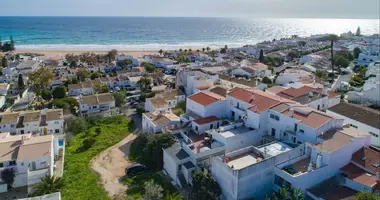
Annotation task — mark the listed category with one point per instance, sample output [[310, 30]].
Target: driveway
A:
[[343, 78], [111, 164]]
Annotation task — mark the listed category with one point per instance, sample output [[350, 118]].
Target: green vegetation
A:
[[144, 84], [204, 187], [48, 185], [79, 180], [59, 92], [183, 59], [8, 176], [120, 98], [346, 54], [4, 62], [76, 125], [20, 82], [147, 149], [82, 74], [136, 185], [46, 95], [358, 31], [266, 80], [180, 108], [149, 67], [358, 79], [341, 62], [357, 51], [366, 196], [41, 78], [321, 74], [287, 193], [261, 57], [101, 88], [65, 103], [293, 54], [124, 63], [8, 46]]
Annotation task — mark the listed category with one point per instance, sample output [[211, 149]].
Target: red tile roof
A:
[[313, 119], [261, 100], [296, 92], [359, 175], [206, 98], [372, 158], [206, 120]]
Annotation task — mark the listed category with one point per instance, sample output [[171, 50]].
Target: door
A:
[[273, 132], [33, 165]]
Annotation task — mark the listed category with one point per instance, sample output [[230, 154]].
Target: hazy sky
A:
[[194, 8]]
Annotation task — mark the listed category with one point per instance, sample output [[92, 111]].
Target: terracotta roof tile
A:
[[157, 102], [276, 89], [296, 92], [206, 120], [372, 158], [359, 175], [206, 98]]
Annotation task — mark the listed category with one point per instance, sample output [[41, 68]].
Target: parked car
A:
[[135, 169]]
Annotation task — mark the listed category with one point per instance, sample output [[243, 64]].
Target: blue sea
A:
[[151, 33]]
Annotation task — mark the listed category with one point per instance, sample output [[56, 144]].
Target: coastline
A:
[[60, 53]]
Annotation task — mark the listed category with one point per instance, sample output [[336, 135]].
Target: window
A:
[[1, 165], [295, 127], [43, 164], [374, 134], [318, 107], [233, 114], [13, 162], [275, 117], [302, 131], [211, 126], [56, 122], [237, 105], [56, 130], [196, 128], [217, 125], [353, 126], [12, 125]]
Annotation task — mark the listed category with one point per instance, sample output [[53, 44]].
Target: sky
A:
[[195, 8]]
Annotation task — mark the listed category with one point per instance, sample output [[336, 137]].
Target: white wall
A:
[[364, 127], [170, 165]]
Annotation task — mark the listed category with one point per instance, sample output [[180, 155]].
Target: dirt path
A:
[[111, 164]]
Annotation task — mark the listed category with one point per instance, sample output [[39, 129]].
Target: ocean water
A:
[[151, 33]]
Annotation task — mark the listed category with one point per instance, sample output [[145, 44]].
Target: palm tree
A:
[[180, 50], [185, 50], [203, 49], [207, 48], [333, 38], [190, 50], [48, 185], [160, 51], [198, 50]]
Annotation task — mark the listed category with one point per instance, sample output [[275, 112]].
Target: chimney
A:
[[252, 98], [324, 90], [378, 177], [291, 112]]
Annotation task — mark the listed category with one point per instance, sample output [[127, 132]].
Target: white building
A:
[[164, 101], [368, 57], [30, 157], [369, 93], [322, 160], [157, 122], [361, 117], [96, 104], [135, 62], [250, 70], [4, 87], [295, 76], [85, 88], [32, 122], [194, 80], [205, 104]]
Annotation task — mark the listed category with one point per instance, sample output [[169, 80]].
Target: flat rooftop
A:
[[234, 132], [275, 149], [244, 160]]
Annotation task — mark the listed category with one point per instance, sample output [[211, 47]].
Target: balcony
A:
[[34, 176]]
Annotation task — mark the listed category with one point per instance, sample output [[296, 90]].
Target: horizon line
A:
[[231, 17]]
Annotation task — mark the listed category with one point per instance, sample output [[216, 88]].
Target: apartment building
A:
[[96, 104], [30, 157], [164, 101], [159, 121], [42, 122], [84, 88]]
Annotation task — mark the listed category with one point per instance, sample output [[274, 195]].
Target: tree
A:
[[205, 187], [286, 193], [366, 196], [41, 77], [20, 82], [95, 75], [183, 59], [112, 55], [332, 38], [8, 176], [293, 54], [46, 95], [321, 74], [180, 50], [160, 51], [341, 61], [49, 184], [152, 190], [76, 125], [4, 62], [149, 67], [346, 54], [223, 51], [101, 88], [144, 83], [190, 50], [357, 51], [207, 48], [267, 80], [124, 63], [59, 92], [73, 63], [82, 74], [152, 153], [12, 44], [358, 32], [174, 196], [261, 57], [120, 98], [203, 49]]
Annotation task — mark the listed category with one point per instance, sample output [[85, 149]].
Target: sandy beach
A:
[[60, 54]]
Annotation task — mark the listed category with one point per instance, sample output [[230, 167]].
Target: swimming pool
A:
[[60, 143]]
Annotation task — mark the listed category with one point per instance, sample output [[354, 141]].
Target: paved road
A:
[[345, 78]]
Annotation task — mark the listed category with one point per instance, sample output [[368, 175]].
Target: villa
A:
[[96, 104]]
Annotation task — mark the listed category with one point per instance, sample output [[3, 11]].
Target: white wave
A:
[[131, 47]]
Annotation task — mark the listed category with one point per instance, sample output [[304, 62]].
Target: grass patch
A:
[[136, 184], [80, 181], [180, 108]]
